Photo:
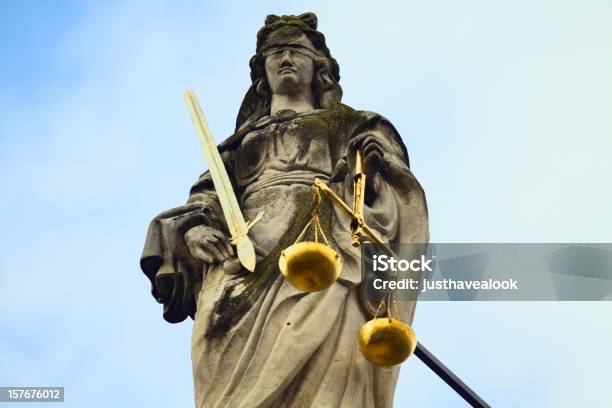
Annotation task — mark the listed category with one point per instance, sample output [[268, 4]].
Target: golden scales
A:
[[313, 266]]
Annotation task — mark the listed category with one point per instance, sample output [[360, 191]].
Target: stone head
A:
[[290, 55]]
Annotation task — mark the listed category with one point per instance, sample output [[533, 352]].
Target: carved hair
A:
[[326, 88]]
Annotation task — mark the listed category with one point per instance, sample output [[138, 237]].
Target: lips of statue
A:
[[289, 71]]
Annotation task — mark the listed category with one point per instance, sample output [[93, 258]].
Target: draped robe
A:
[[257, 341]]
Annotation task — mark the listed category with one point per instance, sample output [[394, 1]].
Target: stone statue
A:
[[257, 341]]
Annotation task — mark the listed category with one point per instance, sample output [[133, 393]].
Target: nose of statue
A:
[[286, 58]]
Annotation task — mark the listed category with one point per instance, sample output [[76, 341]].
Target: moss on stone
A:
[[235, 302]]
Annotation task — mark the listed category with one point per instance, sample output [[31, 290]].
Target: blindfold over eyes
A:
[[299, 48]]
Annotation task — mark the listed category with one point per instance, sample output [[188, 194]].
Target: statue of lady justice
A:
[[257, 341]]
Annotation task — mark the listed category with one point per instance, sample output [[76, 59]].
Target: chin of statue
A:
[[289, 84]]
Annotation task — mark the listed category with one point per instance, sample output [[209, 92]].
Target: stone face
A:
[[257, 341]]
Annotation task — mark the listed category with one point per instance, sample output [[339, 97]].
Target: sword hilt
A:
[[244, 248]]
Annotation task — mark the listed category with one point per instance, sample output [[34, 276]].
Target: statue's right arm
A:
[[180, 243], [209, 243]]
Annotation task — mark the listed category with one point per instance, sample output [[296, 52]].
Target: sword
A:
[[236, 224]]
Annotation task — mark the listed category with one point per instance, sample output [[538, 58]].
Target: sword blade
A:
[[229, 203]]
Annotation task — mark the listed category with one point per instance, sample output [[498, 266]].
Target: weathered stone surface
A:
[[257, 341]]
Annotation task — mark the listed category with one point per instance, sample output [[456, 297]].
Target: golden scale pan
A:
[[312, 266]]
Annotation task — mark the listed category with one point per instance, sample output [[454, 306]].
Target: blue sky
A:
[[504, 108]]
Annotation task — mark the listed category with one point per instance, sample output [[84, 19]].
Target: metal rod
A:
[[449, 377]]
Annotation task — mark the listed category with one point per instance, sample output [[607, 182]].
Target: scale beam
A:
[[355, 216]]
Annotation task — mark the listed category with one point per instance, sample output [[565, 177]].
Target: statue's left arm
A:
[[395, 206]]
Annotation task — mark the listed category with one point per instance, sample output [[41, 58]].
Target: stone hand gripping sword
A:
[[236, 224]]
